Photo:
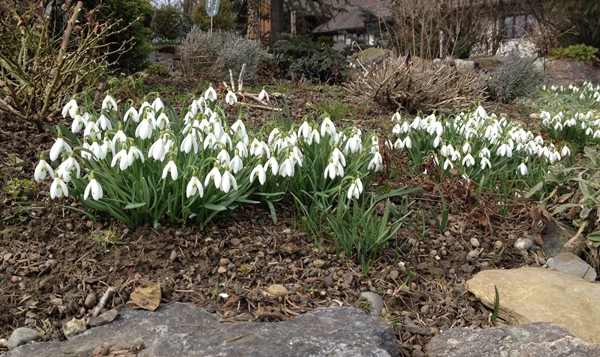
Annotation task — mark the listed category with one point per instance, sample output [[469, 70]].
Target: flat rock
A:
[[21, 336], [183, 330], [556, 235], [537, 339], [542, 295], [569, 263]]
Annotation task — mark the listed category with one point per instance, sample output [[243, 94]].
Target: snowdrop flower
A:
[[157, 104], [337, 157], [94, 188], [273, 165], [188, 143], [356, 188], [447, 150], [194, 186], [225, 140], [485, 162], [223, 157], [333, 169], [96, 149], [353, 145], [78, 124], [172, 169], [376, 163], [42, 169], [215, 176], [259, 148], [466, 148], [158, 151], [58, 188], [468, 161], [374, 144], [210, 95], [416, 124], [210, 141], [448, 164], [230, 98], [228, 181], [437, 141], [305, 130], [565, 151], [144, 129], [122, 158], [242, 149], [485, 152], [456, 156], [134, 153], [287, 167], [104, 123], [109, 103], [133, 114], [504, 150], [91, 130], [396, 117], [59, 146], [315, 136], [259, 172], [399, 145], [327, 127], [407, 142], [70, 108], [239, 128], [119, 137], [162, 121], [263, 95], [67, 166], [522, 169]]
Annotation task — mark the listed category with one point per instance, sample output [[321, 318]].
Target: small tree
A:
[[168, 23]]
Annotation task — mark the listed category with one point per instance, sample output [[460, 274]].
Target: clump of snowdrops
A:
[[489, 150], [142, 164]]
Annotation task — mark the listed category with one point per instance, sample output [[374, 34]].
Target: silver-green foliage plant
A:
[[516, 78], [142, 164], [214, 54]]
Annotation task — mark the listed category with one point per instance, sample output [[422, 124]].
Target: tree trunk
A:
[[276, 19], [254, 19], [186, 7]]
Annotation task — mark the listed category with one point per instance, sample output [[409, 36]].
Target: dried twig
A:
[[109, 292]]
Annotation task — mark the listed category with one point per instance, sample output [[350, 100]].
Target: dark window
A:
[[518, 25]]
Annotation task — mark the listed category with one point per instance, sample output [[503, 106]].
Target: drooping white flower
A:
[[447, 150], [376, 163], [210, 95], [305, 130], [94, 188], [236, 164], [504, 150], [466, 149], [273, 165], [468, 160], [259, 172], [122, 158], [131, 114], [242, 149], [170, 168], [286, 169], [158, 151], [215, 176], [259, 148], [104, 123], [263, 95], [228, 181], [78, 124], [144, 129], [565, 151], [189, 142], [223, 158], [67, 166], [194, 186], [337, 157], [210, 141], [134, 153], [356, 188], [42, 169], [59, 146], [162, 121], [157, 104], [485, 162], [230, 98], [91, 130], [58, 188], [448, 164], [523, 169], [70, 108], [407, 142], [109, 103], [327, 127], [353, 145]]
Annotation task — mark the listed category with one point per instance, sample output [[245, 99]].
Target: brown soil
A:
[[52, 257]]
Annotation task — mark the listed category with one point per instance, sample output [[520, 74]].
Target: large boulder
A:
[[563, 73], [538, 339], [542, 295], [183, 330]]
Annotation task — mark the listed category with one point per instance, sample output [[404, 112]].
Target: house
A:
[[353, 21]]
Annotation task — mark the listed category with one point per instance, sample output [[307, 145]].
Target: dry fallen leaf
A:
[[147, 298]]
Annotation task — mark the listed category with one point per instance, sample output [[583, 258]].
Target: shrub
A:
[[516, 78], [158, 70], [576, 53], [299, 58], [168, 23], [418, 87], [205, 55], [223, 20]]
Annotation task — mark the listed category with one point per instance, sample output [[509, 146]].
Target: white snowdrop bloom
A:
[[437, 141], [356, 189], [70, 108], [468, 161], [297, 156], [407, 142], [157, 104], [466, 149], [162, 121], [42, 169], [69, 165], [225, 141], [193, 187], [399, 145], [239, 128], [337, 157], [447, 150], [91, 130], [327, 127], [286, 169], [210, 141], [456, 156], [263, 95], [481, 113], [228, 181], [334, 170], [94, 188], [104, 123], [448, 164], [259, 172], [170, 168], [131, 114], [539, 140], [504, 150], [210, 95], [223, 158], [242, 149], [97, 150], [109, 103], [353, 145], [158, 151], [144, 129], [374, 144], [315, 136], [596, 134], [436, 128], [134, 154], [565, 151], [59, 146], [230, 98], [305, 130], [58, 188], [273, 165], [416, 124], [122, 158], [558, 126], [485, 162], [396, 117], [376, 163], [78, 124], [259, 148], [485, 152], [274, 135], [119, 138], [215, 176], [396, 129], [523, 169]]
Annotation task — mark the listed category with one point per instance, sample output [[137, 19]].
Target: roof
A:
[[351, 19]]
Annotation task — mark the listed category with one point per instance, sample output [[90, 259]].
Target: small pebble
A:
[[318, 263], [328, 280], [473, 254], [74, 328], [3, 343], [222, 270], [394, 274], [375, 302], [498, 244], [15, 279], [424, 309], [523, 243], [224, 261], [474, 242], [277, 290], [90, 300], [21, 336]]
